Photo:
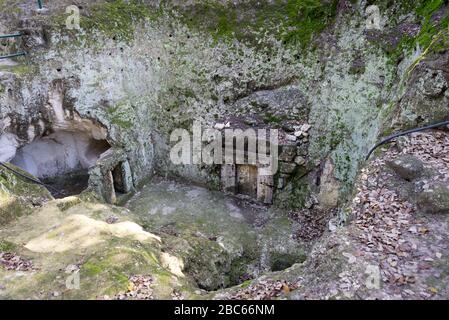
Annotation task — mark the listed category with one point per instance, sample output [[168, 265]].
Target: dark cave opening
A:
[[67, 185], [118, 179]]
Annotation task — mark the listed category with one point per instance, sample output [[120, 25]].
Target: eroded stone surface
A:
[[435, 199], [408, 167], [223, 239], [134, 85]]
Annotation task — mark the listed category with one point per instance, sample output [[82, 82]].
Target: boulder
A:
[[306, 127], [407, 167], [19, 196], [435, 199]]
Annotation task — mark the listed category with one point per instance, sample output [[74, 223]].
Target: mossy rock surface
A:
[[77, 240], [221, 239], [210, 243], [18, 196]]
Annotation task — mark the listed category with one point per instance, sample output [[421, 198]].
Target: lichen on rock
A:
[[105, 98]]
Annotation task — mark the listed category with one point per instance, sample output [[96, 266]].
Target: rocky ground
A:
[[400, 214], [173, 241], [394, 247], [330, 81], [223, 240]]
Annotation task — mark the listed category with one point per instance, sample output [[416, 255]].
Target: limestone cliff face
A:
[[137, 70]]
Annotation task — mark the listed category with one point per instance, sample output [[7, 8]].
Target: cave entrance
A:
[[62, 160]]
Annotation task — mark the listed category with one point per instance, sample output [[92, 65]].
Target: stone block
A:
[[287, 167], [265, 193]]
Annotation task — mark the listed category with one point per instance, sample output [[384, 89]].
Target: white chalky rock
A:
[[306, 127], [8, 146], [219, 126]]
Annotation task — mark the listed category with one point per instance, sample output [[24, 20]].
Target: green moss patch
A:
[[20, 69], [6, 246], [293, 21], [18, 196], [116, 19], [122, 115], [433, 36]]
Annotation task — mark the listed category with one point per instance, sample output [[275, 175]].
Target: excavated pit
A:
[[223, 240]]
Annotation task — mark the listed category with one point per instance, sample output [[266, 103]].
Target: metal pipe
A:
[[389, 138], [12, 35], [18, 54]]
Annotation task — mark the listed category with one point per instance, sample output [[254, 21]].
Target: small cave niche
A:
[[61, 160], [117, 183]]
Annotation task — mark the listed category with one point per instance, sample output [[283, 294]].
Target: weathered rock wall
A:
[[139, 73]]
